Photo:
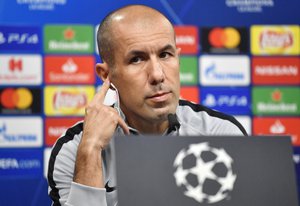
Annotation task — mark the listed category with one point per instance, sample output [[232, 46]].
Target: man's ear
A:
[[102, 70], [178, 50]]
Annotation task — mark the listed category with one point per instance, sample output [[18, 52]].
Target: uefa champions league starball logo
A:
[[204, 173]]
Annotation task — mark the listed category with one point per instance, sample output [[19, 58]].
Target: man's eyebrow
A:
[[167, 47], [135, 53]]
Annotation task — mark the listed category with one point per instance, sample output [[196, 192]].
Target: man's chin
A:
[[162, 113]]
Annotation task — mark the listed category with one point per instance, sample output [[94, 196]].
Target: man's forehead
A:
[[146, 40], [130, 29], [139, 18], [140, 25]]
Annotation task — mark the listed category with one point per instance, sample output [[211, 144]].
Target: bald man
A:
[[141, 61]]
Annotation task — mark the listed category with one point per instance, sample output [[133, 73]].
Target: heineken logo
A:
[[281, 101], [276, 95], [69, 39], [69, 34]]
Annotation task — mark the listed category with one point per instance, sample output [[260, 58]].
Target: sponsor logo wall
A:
[[47, 77]]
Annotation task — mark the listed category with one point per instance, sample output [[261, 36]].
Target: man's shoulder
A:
[[71, 133], [62, 160], [201, 109], [205, 119], [70, 138]]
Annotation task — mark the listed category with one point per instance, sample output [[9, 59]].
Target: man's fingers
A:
[[100, 95], [99, 99]]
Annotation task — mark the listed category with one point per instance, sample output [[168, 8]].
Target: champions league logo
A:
[[204, 173]]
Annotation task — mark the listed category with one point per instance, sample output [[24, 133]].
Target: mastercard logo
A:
[[224, 37], [20, 98]]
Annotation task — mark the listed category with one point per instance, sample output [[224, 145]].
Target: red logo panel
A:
[[190, 93], [187, 39], [55, 127], [278, 126], [279, 70], [70, 69]]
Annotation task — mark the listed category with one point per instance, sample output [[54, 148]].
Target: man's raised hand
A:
[[100, 120]]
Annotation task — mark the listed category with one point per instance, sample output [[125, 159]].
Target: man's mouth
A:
[[159, 96]]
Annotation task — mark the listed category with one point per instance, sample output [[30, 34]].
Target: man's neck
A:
[[145, 127]]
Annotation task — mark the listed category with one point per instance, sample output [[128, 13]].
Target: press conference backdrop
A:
[[240, 57]]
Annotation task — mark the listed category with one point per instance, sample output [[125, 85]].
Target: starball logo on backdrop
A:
[[20, 69], [20, 38]]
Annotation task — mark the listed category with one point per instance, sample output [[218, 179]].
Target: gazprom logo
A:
[[21, 132], [211, 73], [5, 136], [224, 70]]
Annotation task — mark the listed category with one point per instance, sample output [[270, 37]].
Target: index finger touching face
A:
[[100, 95]]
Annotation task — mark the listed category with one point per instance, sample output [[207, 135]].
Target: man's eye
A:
[[164, 55], [135, 60]]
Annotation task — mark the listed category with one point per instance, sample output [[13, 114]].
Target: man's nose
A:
[[156, 72]]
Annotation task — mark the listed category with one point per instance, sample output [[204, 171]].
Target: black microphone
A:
[[173, 122]]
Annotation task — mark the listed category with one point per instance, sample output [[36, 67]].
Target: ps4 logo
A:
[[225, 100], [19, 38]]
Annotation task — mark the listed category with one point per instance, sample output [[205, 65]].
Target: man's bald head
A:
[[137, 16]]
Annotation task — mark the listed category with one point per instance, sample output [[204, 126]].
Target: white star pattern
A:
[[203, 171], [180, 175]]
